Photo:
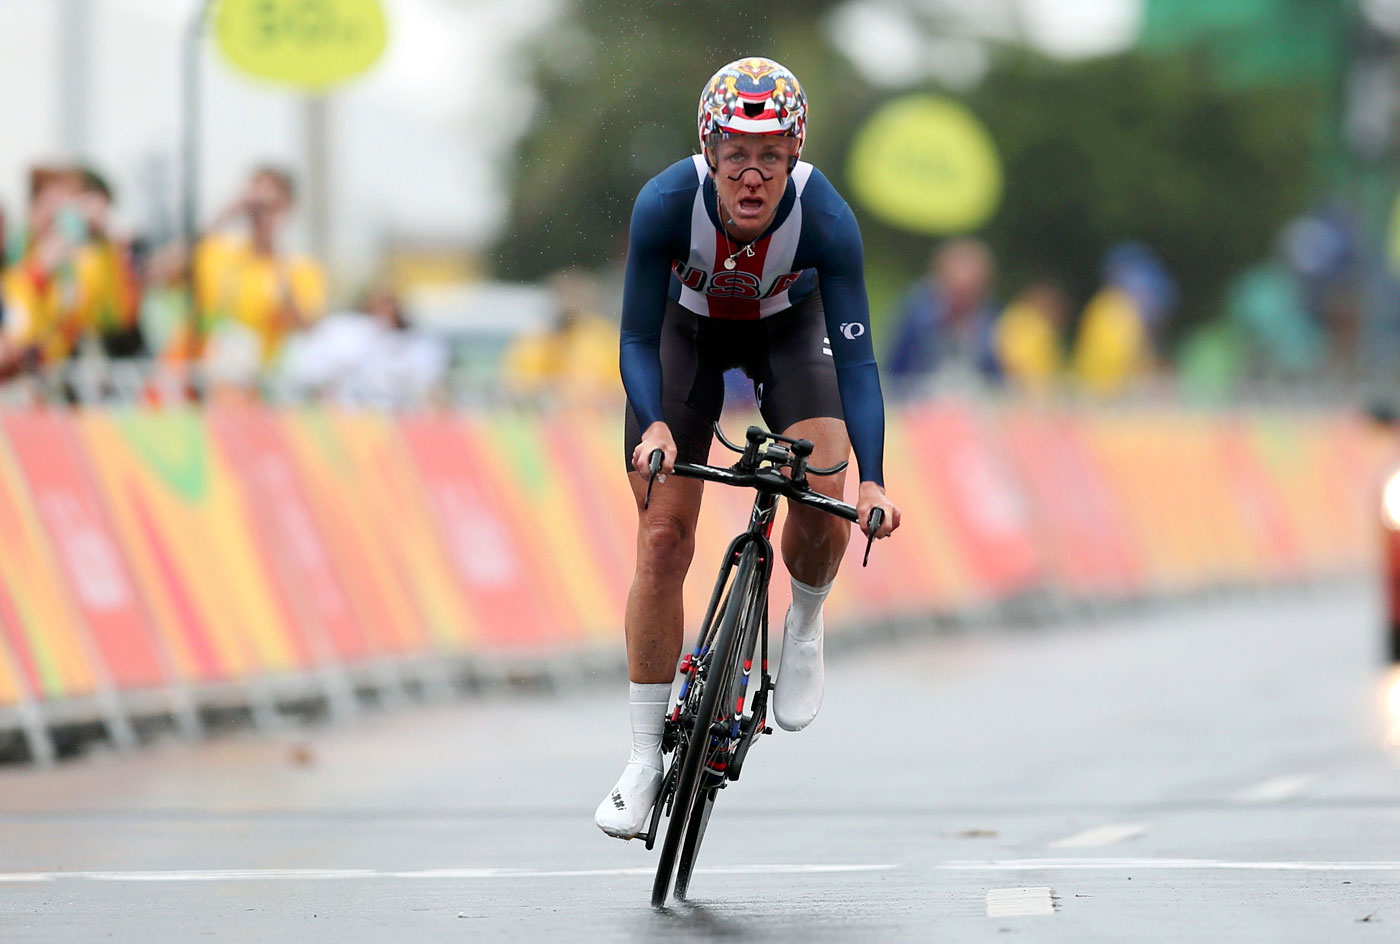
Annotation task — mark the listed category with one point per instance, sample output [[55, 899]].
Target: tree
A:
[[617, 87]]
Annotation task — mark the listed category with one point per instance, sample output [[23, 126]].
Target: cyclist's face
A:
[[751, 177]]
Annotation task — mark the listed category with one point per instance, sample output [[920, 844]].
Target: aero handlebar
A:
[[748, 473]]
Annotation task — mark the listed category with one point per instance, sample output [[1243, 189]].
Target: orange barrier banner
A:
[[983, 502], [98, 582], [1078, 521], [41, 623], [279, 513], [185, 529], [169, 550]]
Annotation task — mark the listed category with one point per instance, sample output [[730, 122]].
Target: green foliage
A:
[[1136, 146], [1148, 148], [618, 84]]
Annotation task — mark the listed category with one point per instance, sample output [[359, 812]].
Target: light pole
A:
[[192, 61]]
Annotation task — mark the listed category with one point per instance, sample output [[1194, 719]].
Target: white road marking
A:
[[282, 875], [1276, 790], [1010, 902], [1032, 865], [1101, 836]]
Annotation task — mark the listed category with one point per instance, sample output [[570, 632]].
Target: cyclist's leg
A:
[[813, 541], [691, 398], [665, 545], [801, 398]]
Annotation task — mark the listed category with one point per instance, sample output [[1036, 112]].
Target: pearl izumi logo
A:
[[852, 330]]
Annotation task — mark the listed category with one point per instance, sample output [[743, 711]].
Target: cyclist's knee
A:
[[665, 544]]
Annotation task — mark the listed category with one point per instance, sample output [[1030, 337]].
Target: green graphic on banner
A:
[[174, 445], [307, 44]]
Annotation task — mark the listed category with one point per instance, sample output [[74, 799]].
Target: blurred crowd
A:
[[1294, 316], [952, 330], [240, 314], [244, 315]]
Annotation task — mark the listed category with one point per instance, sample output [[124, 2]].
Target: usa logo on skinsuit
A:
[[727, 284]]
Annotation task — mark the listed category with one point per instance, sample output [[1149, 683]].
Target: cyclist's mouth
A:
[[751, 206]]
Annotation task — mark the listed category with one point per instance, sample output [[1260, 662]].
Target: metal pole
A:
[[191, 63], [316, 115], [75, 38]]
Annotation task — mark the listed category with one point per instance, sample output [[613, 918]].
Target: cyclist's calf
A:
[[813, 544]]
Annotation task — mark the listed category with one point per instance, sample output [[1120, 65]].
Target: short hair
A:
[[93, 182], [281, 177], [42, 175]]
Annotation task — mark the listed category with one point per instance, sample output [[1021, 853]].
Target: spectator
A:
[[576, 358], [41, 289], [110, 297], [249, 290], [946, 319], [370, 357], [1116, 344], [1029, 337], [10, 354]]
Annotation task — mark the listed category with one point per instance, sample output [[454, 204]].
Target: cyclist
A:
[[741, 256]]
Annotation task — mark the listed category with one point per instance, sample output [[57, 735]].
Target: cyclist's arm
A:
[[842, 274], [644, 294]]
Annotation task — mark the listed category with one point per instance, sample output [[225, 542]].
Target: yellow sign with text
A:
[[927, 165], [307, 44]]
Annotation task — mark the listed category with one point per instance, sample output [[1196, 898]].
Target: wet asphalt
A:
[[1206, 771]]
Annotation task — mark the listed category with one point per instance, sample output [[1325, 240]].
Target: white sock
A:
[[807, 610], [649, 703]]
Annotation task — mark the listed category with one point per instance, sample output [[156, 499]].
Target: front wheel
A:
[[694, 835], [688, 803]]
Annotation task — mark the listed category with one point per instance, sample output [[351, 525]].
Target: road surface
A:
[[1203, 772]]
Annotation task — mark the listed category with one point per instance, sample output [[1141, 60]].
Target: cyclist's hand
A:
[[657, 436], [872, 496]]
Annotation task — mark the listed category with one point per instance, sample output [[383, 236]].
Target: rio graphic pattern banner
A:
[[245, 547]]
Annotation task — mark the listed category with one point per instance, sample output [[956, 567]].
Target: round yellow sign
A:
[[308, 44], [927, 165]]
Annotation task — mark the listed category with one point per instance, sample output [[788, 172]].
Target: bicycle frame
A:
[[710, 721]]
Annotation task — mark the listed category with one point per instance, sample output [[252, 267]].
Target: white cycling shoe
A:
[[797, 695], [624, 811]]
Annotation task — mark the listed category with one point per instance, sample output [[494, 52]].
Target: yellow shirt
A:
[[1028, 346], [232, 281], [108, 296], [41, 309], [1112, 347], [579, 361]]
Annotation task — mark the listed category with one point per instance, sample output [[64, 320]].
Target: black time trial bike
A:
[[718, 713]]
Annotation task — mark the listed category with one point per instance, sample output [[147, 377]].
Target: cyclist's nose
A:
[[758, 180]]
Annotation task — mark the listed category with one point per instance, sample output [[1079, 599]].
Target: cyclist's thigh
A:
[[794, 371], [831, 445], [692, 388]]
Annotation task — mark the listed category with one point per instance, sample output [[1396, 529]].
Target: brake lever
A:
[[653, 467], [877, 518]]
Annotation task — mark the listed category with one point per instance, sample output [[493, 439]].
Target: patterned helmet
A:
[[751, 96]]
